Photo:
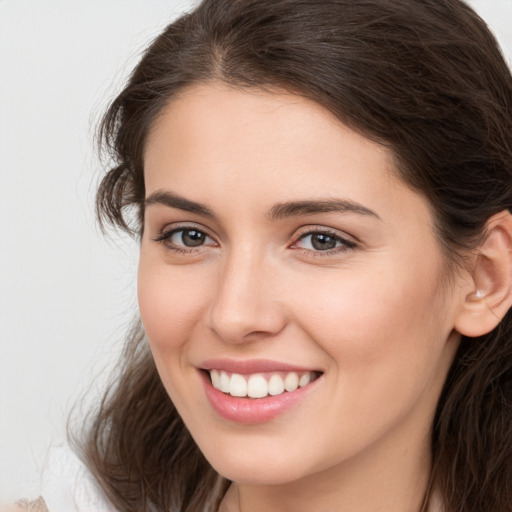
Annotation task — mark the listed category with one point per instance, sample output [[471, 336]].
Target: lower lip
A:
[[253, 410]]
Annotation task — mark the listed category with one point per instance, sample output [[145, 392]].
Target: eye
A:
[[323, 241], [188, 237], [184, 238]]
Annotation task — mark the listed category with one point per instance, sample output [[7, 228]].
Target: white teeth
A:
[[224, 382], [237, 385], [215, 379], [305, 380], [275, 385], [291, 381], [259, 385]]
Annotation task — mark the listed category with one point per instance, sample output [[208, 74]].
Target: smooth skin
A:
[[362, 293]]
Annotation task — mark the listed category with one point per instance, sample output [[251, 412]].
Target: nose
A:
[[247, 304]]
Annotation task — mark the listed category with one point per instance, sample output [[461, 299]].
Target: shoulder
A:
[[27, 506], [68, 486]]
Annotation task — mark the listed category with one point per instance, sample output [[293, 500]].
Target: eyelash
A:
[[346, 245], [165, 236]]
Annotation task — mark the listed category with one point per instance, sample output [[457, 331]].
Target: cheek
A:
[[378, 319], [386, 345], [170, 303]]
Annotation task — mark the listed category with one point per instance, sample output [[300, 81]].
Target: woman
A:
[[322, 193]]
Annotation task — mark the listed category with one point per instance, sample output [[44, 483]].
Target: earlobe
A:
[[491, 295]]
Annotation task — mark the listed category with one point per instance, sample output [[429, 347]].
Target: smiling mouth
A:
[[260, 385]]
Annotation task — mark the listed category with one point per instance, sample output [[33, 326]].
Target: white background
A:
[[66, 293]]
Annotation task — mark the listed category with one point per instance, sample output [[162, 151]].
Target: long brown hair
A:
[[423, 77]]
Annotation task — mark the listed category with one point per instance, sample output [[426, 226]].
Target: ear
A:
[[489, 296]]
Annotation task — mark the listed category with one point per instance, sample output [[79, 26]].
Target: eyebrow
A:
[[278, 211], [310, 207], [175, 201]]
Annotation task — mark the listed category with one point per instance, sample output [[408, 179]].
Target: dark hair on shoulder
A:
[[423, 77]]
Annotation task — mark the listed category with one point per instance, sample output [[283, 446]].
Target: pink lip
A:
[[251, 410], [251, 366]]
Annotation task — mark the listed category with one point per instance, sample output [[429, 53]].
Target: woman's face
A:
[[279, 247]]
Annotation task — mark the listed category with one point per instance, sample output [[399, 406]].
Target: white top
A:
[[68, 486]]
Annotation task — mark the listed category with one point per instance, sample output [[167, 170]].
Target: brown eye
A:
[[322, 241], [188, 237], [184, 238]]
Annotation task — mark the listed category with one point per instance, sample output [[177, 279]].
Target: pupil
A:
[[323, 242], [192, 238]]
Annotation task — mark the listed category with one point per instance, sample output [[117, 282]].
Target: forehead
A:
[[222, 107], [266, 147], [228, 124]]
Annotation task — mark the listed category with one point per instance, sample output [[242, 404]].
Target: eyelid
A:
[[348, 242], [169, 230], [318, 228]]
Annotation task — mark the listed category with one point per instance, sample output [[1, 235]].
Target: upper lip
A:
[[251, 366]]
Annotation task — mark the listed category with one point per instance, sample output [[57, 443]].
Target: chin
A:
[[257, 475], [262, 470]]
